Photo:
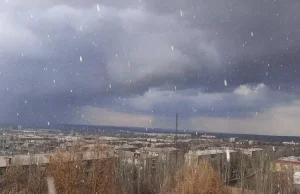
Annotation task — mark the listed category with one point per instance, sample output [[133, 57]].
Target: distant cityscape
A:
[[139, 146]]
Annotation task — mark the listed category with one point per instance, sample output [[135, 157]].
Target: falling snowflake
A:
[[252, 34], [225, 82], [54, 81], [51, 186], [80, 58], [17, 114], [98, 8], [181, 13], [71, 90], [172, 48], [80, 28], [228, 155], [175, 87], [48, 123], [25, 101], [109, 85]]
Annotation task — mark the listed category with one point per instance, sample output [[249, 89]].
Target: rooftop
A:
[[45, 158], [289, 159], [150, 149], [209, 152]]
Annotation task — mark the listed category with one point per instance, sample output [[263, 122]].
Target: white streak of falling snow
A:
[[225, 82], [227, 155], [80, 58], [98, 8], [51, 186]]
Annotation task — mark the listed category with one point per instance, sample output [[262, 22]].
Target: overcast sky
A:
[[227, 66]]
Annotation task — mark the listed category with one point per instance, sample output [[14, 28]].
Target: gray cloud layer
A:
[[60, 56]]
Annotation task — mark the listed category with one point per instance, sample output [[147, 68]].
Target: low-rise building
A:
[[5, 140], [157, 151], [232, 139], [126, 147], [214, 154], [287, 163]]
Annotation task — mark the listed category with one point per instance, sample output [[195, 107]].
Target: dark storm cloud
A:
[[59, 56]]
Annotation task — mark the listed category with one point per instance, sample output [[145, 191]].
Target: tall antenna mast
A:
[[176, 128], [176, 137]]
